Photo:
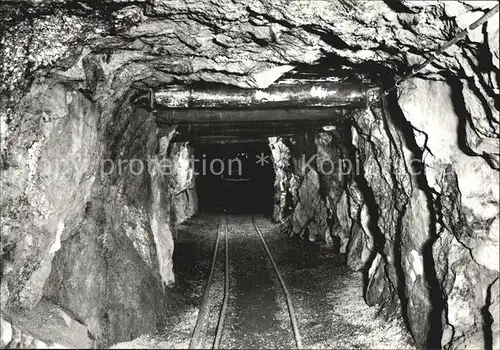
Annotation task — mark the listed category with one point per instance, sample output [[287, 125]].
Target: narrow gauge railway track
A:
[[199, 333]]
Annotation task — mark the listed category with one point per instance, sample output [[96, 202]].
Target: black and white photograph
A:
[[249, 174]]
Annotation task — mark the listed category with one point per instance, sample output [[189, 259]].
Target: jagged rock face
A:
[[427, 241], [183, 182], [298, 200], [285, 180], [463, 191], [237, 42], [88, 231], [47, 321]]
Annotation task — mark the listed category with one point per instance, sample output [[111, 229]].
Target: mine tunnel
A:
[[234, 174]]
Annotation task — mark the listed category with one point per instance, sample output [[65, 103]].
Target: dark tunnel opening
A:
[[231, 174], [234, 178]]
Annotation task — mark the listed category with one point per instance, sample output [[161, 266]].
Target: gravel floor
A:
[[326, 296]]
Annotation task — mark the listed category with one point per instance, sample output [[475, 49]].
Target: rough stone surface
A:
[[45, 326], [6, 330], [283, 194], [463, 191], [93, 213], [111, 272], [309, 216], [47, 176], [298, 200], [249, 44], [418, 212]]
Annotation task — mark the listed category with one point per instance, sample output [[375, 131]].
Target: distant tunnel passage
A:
[[234, 178]]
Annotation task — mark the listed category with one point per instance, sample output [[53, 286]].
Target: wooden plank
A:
[[249, 125], [328, 115]]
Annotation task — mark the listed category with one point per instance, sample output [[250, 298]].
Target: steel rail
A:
[[222, 316], [197, 339], [291, 311]]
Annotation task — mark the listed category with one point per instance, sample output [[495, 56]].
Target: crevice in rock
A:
[[374, 213], [483, 61], [488, 318], [487, 108], [269, 18], [401, 201], [400, 272], [442, 223], [329, 38]]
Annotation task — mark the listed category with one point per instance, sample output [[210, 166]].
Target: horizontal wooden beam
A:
[[267, 124], [233, 137], [295, 100], [327, 115], [241, 131]]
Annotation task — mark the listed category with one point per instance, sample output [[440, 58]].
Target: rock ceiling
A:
[[242, 43]]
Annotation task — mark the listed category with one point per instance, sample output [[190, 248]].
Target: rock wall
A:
[[285, 181], [183, 182], [26, 329], [411, 197], [462, 196], [47, 178], [421, 216], [86, 213]]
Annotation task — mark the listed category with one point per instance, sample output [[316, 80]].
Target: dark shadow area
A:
[[488, 319], [463, 114], [235, 178], [330, 65], [398, 6]]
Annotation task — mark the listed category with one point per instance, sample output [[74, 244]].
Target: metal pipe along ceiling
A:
[[293, 95], [294, 100]]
